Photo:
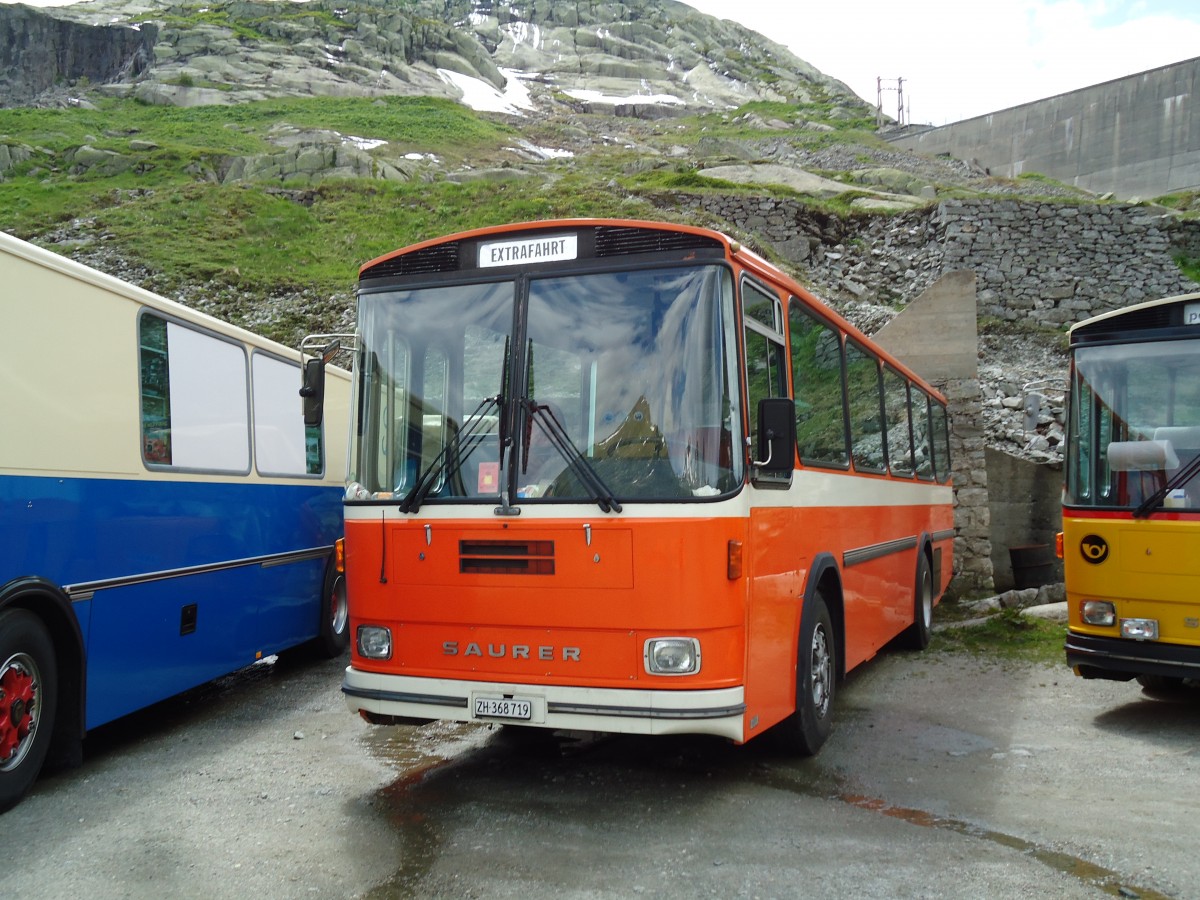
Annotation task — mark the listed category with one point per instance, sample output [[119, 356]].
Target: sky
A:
[[964, 58], [955, 59]]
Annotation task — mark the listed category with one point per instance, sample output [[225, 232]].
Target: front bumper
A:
[[385, 698], [1121, 659]]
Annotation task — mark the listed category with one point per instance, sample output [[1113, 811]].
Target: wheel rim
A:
[[19, 685], [821, 667], [339, 608]]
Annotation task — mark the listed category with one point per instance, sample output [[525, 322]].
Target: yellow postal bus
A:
[[1131, 504]]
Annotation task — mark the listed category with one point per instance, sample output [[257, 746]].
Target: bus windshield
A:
[[1135, 426], [608, 386]]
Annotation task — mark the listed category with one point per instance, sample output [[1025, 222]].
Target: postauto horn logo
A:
[[1094, 549]]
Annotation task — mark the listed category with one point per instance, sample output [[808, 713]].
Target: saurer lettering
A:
[[514, 651]]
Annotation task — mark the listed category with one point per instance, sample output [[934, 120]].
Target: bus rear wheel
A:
[[28, 697], [917, 635], [807, 729]]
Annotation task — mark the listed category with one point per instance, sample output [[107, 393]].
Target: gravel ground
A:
[[948, 775]]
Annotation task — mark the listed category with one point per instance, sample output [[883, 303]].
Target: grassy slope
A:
[[171, 215]]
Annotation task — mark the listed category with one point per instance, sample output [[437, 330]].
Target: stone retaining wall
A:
[[1057, 263], [1052, 264]]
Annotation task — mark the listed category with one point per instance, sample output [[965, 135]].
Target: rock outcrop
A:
[[39, 51]]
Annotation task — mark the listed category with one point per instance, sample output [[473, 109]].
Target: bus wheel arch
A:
[[819, 662], [50, 607], [28, 701]]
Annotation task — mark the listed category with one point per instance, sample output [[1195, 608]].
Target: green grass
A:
[[1189, 266], [170, 214], [1007, 634], [255, 237]]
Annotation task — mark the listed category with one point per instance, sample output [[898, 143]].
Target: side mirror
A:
[[776, 447], [313, 391]]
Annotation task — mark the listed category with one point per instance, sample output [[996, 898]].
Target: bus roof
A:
[[1098, 322]]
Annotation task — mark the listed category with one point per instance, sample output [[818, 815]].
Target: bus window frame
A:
[[796, 303], [145, 312], [902, 381], [777, 348], [880, 413]]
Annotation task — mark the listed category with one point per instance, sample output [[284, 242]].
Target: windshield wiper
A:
[[1179, 479], [458, 448], [601, 493]]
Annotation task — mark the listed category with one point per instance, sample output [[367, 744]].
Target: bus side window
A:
[[864, 394], [819, 389], [899, 430], [922, 434], [191, 385], [766, 357], [940, 441]]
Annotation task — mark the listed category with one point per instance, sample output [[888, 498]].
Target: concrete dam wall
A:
[[1134, 137]]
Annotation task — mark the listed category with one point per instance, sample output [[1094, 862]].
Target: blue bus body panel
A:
[[126, 539]]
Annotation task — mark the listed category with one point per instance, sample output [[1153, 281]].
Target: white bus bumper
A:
[[384, 698]]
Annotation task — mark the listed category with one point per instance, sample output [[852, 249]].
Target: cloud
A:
[[960, 60]]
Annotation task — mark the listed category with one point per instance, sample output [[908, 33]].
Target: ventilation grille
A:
[[439, 258], [1165, 316], [506, 557], [617, 240]]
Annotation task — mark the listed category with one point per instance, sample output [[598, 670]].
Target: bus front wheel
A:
[[28, 697], [806, 729], [335, 615]]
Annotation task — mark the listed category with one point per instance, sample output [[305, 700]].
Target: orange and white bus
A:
[[1131, 504], [623, 476]]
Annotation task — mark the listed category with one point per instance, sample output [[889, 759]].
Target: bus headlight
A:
[[672, 656], [1099, 612], [374, 642]]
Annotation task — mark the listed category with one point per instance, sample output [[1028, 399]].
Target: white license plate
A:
[[503, 708]]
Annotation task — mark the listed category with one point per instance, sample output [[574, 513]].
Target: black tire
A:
[[806, 729], [334, 635], [917, 635], [28, 702]]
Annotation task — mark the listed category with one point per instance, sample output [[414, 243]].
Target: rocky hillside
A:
[[642, 57], [185, 152]]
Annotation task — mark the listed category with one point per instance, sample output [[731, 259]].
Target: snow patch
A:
[[524, 33], [542, 152], [483, 97], [362, 143], [609, 100]]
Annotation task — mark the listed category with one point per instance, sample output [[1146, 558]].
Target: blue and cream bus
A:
[[168, 514]]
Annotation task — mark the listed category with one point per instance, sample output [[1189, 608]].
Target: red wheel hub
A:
[[17, 699]]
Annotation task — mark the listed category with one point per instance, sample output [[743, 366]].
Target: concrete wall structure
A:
[[1025, 510], [1134, 137]]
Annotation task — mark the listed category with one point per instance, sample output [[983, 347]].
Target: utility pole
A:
[[896, 85]]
